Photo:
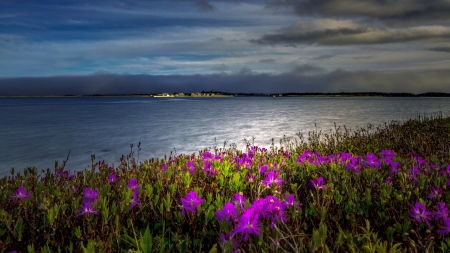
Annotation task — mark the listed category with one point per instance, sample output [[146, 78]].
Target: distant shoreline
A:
[[229, 95]]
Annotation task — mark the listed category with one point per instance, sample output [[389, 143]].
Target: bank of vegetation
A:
[[375, 189]]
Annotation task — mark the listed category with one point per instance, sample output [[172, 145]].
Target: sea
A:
[[36, 132]]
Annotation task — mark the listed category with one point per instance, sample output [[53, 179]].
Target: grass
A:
[[376, 189]]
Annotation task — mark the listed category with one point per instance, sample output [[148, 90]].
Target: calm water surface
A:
[[39, 131]]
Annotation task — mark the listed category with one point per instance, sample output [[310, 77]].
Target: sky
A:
[[67, 47]]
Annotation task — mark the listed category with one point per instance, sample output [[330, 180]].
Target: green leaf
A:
[[146, 241]]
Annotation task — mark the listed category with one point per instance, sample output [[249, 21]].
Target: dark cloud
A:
[[384, 10], [323, 57], [204, 6], [334, 32], [307, 69], [222, 67], [367, 57], [445, 49], [244, 81], [268, 61]]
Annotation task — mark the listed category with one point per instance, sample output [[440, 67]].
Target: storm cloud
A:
[[383, 10], [204, 6], [51, 47], [336, 32], [445, 49], [302, 79]]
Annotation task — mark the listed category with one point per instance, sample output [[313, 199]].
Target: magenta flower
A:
[[372, 161], [21, 194], [134, 200], [87, 209], [191, 202], [419, 213], [318, 183], [90, 195], [435, 192], [228, 238], [248, 224], [191, 166], [229, 212], [239, 199], [445, 171], [112, 178], [394, 167], [289, 199], [387, 154], [273, 210], [442, 211], [353, 165], [262, 169], [133, 184], [272, 178], [445, 229]]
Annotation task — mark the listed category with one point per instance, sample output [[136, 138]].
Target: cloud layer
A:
[[386, 10], [306, 78], [337, 32], [310, 45]]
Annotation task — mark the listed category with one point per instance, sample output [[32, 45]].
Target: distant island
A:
[[219, 94]]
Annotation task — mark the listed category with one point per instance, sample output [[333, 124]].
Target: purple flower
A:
[[273, 210], [90, 195], [272, 178], [229, 212], [318, 183], [413, 172], [419, 213], [445, 229], [228, 238], [87, 209], [394, 167], [239, 199], [134, 200], [435, 192], [21, 194], [163, 167], [248, 224], [112, 178], [445, 171], [133, 184], [387, 154], [442, 211], [353, 165], [289, 199], [262, 169], [372, 161], [344, 157], [191, 202], [389, 180], [191, 166]]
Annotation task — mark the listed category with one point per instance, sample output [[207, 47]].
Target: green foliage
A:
[[355, 212]]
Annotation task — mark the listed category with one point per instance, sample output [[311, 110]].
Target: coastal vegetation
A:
[[211, 94], [374, 189]]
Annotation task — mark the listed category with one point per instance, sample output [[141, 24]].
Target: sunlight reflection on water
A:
[[38, 131]]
